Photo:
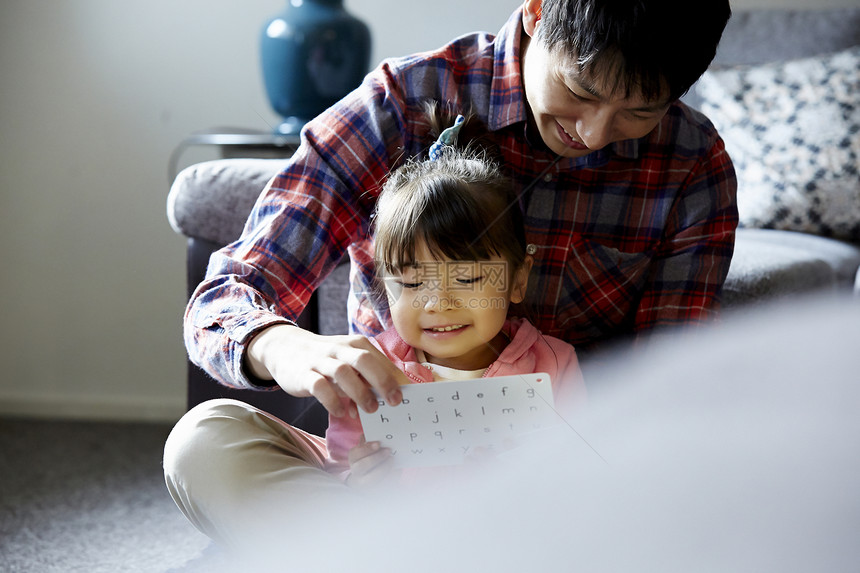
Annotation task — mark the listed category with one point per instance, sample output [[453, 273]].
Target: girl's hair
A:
[[459, 205]]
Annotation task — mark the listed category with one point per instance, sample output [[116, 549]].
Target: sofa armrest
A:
[[212, 200]]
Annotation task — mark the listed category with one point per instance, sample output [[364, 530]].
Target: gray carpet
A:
[[89, 497]]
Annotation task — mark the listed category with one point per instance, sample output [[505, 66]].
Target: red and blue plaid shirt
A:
[[632, 237]]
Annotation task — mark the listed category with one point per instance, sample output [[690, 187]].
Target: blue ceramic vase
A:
[[312, 54]]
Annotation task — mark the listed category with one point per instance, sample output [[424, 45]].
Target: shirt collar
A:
[[507, 96]]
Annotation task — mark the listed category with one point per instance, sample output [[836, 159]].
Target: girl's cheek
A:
[[406, 299], [393, 292]]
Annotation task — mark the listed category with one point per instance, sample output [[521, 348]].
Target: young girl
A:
[[452, 258], [451, 252]]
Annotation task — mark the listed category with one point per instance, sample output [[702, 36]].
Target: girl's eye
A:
[[409, 285], [470, 281]]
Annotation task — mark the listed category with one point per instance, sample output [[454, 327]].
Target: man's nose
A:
[[595, 129]]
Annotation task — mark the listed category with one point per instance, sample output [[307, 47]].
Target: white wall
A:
[[95, 95]]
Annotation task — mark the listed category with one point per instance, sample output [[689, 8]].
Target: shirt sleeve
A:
[[298, 230], [687, 274]]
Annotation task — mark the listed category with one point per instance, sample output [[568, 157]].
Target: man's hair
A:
[[653, 47]]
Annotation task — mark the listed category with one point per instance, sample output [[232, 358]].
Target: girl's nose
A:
[[440, 299], [438, 302]]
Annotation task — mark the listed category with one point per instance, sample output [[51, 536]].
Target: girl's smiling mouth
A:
[[448, 329]]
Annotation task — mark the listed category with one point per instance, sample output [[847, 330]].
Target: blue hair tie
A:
[[447, 137]]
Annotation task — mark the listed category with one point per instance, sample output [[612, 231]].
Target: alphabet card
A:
[[441, 423]]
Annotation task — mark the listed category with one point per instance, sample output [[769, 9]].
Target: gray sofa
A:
[[209, 202]]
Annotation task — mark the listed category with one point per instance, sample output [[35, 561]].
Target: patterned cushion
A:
[[793, 131]]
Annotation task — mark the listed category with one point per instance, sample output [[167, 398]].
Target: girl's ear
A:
[[531, 16], [521, 280]]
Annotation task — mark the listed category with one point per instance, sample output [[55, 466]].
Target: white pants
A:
[[236, 472]]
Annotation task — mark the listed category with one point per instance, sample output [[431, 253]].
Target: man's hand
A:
[[326, 367]]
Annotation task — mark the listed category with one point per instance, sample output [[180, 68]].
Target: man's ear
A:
[[521, 280], [531, 16]]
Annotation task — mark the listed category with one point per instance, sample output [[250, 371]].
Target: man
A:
[[627, 193]]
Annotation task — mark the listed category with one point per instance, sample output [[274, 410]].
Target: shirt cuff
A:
[[239, 338]]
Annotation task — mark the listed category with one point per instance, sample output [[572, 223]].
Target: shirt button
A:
[[547, 177]]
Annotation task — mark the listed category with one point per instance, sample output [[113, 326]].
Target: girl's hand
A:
[[326, 367], [369, 464]]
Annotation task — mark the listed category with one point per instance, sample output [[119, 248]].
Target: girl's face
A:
[[454, 310]]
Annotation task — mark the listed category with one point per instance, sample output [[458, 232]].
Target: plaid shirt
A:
[[632, 237]]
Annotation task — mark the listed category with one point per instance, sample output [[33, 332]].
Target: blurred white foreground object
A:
[[733, 449]]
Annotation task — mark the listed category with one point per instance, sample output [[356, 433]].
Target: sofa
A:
[[778, 75], [791, 240]]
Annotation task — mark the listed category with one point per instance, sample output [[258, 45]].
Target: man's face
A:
[[576, 114]]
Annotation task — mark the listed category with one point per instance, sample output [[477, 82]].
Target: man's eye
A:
[[577, 96], [641, 116]]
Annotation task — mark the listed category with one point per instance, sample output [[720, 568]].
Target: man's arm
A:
[[298, 231]]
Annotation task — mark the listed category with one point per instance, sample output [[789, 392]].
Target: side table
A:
[[235, 142]]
